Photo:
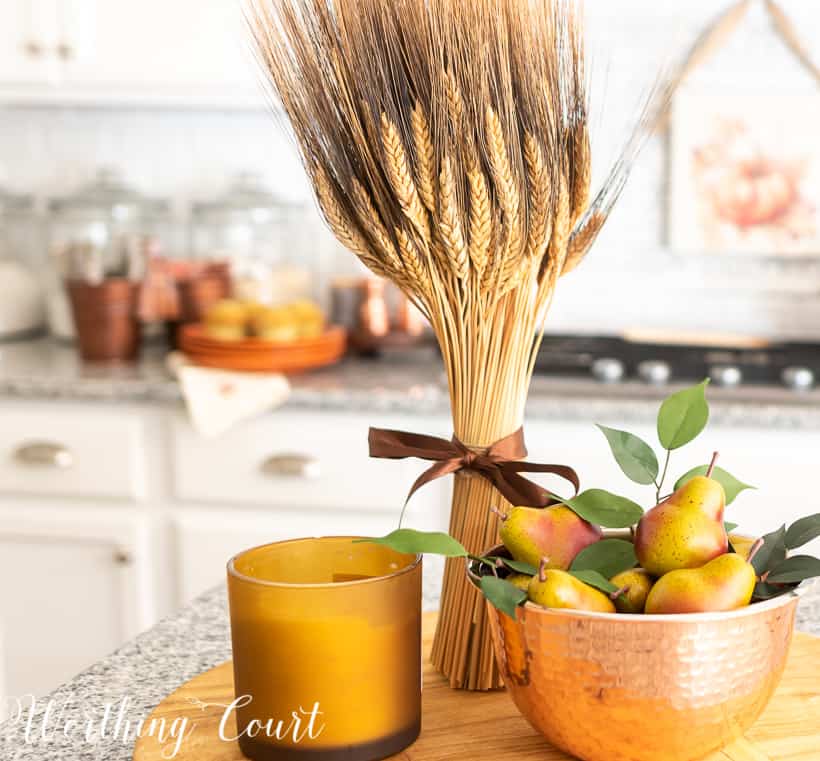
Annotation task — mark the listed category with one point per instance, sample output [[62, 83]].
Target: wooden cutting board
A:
[[462, 726]]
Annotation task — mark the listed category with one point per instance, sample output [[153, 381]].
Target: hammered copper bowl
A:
[[611, 687]]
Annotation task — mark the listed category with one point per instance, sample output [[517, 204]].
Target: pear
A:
[[520, 580], [554, 588], [742, 544], [725, 583], [636, 582], [557, 533], [686, 529]]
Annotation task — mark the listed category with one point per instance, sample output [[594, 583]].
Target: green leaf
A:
[[414, 542], [605, 509], [764, 591], [518, 566], [803, 531], [772, 552], [683, 416], [730, 526], [594, 579], [608, 557], [794, 569], [503, 595], [730, 484], [634, 455]]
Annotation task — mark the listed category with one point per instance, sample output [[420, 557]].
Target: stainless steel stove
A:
[[611, 360]]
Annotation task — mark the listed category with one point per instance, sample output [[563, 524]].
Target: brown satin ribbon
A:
[[501, 464]]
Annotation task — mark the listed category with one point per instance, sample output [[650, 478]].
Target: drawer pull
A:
[[291, 466], [44, 454], [123, 557]]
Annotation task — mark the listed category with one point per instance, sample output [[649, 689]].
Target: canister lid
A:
[[109, 194], [247, 196], [14, 203]]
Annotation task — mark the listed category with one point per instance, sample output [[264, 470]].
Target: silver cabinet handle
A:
[[123, 557], [44, 454], [291, 465], [34, 49]]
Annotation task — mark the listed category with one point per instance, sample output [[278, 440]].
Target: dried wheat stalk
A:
[[449, 148]]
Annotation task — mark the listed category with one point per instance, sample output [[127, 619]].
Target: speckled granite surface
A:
[[43, 369], [151, 667]]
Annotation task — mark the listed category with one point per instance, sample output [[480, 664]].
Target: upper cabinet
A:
[[173, 53]]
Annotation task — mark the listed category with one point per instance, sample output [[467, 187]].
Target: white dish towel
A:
[[219, 399]]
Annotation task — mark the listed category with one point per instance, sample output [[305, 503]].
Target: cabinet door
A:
[[153, 50], [72, 589], [206, 539], [28, 42]]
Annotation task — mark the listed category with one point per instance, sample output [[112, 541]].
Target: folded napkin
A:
[[219, 399]]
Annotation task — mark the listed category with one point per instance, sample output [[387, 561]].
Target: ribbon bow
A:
[[500, 464]]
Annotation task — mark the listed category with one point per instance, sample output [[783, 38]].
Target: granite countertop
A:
[[147, 669], [410, 383]]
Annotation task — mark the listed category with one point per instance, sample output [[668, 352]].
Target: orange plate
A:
[[260, 356]]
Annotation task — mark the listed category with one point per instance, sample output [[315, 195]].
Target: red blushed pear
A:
[[685, 530], [557, 533], [725, 583]]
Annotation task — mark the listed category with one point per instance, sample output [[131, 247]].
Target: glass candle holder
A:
[[326, 650]]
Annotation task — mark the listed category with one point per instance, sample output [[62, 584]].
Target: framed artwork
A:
[[745, 174]]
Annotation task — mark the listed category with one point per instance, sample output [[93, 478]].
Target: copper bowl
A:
[[613, 687]]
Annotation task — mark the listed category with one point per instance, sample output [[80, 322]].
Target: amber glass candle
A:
[[327, 631]]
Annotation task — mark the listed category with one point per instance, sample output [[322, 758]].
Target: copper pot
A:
[[613, 687], [105, 316]]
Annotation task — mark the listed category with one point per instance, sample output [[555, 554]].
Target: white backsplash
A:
[[631, 279]]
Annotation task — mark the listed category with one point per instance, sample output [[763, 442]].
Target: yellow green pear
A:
[[685, 530], [725, 583], [557, 533], [554, 588], [520, 580], [742, 544], [636, 582]]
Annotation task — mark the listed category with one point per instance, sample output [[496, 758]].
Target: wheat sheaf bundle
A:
[[449, 148]]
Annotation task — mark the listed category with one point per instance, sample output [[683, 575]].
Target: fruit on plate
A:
[[557, 533], [308, 317], [554, 588], [686, 529], [232, 320], [273, 324], [636, 584], [725, 583], [226, 320]]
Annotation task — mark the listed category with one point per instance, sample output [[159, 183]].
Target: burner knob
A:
[[608, 370], [654, 371], [798, 378], [726, 375]]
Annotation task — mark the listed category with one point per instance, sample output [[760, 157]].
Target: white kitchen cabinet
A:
[[115, 52], [204, 540], [79, 452], [28, 45], [73, 587], [299, 460]]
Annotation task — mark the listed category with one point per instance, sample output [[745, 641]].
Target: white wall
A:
[[631, 278]]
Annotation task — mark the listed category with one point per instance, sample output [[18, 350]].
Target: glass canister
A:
[[268, 241], [103, 230], [22, 309]]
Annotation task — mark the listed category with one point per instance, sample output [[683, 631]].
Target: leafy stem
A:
[[659, 484]]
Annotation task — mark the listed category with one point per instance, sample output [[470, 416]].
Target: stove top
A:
[[612, 359]]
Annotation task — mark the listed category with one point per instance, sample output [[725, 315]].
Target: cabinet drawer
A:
[[70, 451], [296, 460]]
